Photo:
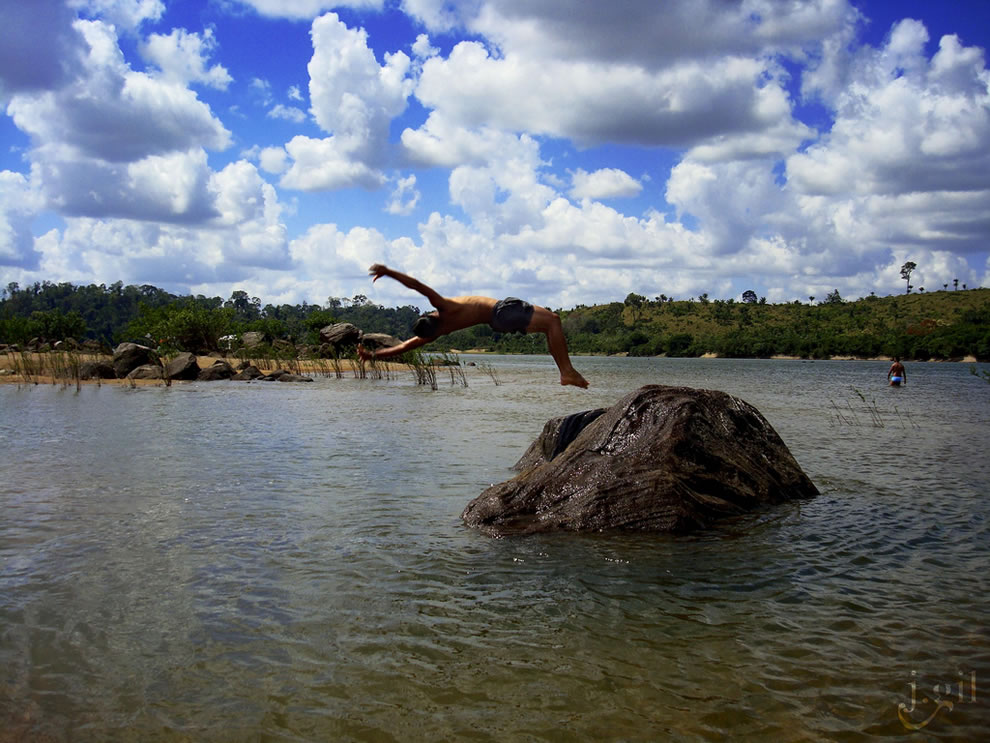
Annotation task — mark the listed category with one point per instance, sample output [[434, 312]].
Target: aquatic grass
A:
[[453, 366], [27, 366], [847, 415], [423, 369], [489, 369]]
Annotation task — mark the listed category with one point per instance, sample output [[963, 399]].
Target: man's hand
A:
[[378, 270], [364, 353]]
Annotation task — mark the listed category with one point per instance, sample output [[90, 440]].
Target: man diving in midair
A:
[[508, 315]]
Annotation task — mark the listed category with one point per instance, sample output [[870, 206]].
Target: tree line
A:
[[934, 325]]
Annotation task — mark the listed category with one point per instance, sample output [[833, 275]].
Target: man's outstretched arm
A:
[[378, 270], [387, 353]]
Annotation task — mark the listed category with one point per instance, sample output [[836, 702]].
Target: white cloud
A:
[[439, 142], [273, 160], [354, 100], [352, 96], [680, 105], [324, 164], [245, 235], [126, 15], [288, 113], [114, 113], [404, 197], [306, 9], [422, 49], [605, 183], [19, 204], [116, 142], [182, 56], [645, 35]]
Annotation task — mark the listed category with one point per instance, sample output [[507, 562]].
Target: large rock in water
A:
[[665, 459]]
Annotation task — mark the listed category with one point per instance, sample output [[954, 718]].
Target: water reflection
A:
[[236, 561]]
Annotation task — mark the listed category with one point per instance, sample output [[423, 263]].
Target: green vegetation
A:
[[949, 324]]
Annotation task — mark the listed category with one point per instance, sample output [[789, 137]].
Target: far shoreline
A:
[[317, 367]]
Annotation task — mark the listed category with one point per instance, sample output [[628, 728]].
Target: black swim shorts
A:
[[511, 315]]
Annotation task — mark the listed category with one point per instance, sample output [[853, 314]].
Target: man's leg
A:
[[547, 322]]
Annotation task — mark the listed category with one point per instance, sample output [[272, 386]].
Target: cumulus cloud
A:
[[182, 56], [605, 183], [114, 113], [354, 100], [245, 234], [125, 15], [645, 35], [115, 142], [908, 157], [681, 105]]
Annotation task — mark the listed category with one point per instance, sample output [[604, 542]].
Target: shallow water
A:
[[230, 561]]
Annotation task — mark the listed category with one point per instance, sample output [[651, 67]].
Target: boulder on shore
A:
[[183, 366], [220, 370], [249, 372], [96, 370], [146, 371], [375, 341], [129, 356], [340, 334], [662, 459], [252, 339]]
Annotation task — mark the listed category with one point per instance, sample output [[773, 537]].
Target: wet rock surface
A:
[[662, 459]]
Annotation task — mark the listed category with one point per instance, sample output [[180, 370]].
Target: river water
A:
[[235, 562]]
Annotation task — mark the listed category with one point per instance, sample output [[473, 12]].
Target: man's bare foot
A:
[[575, 379]]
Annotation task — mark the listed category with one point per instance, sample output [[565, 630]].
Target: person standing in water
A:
[[509, 315], [897, 374]]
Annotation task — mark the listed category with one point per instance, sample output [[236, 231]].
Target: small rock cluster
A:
[[134, 361]]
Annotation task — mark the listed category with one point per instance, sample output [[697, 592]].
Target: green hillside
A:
[[938, 325]]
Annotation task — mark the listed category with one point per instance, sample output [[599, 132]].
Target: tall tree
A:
[[906, 270]]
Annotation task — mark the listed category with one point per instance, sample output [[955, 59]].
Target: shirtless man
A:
[[455, 313], [897, 375]]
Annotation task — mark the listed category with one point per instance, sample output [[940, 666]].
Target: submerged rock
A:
[[664, 459]]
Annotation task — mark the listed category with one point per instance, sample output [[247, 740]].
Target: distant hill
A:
[[936, 325]]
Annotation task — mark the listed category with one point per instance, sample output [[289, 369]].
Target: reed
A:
[[423, 368], [848, 415], [488, 369], [453, 366]]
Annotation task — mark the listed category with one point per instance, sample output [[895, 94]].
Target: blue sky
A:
[[566, 152]]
